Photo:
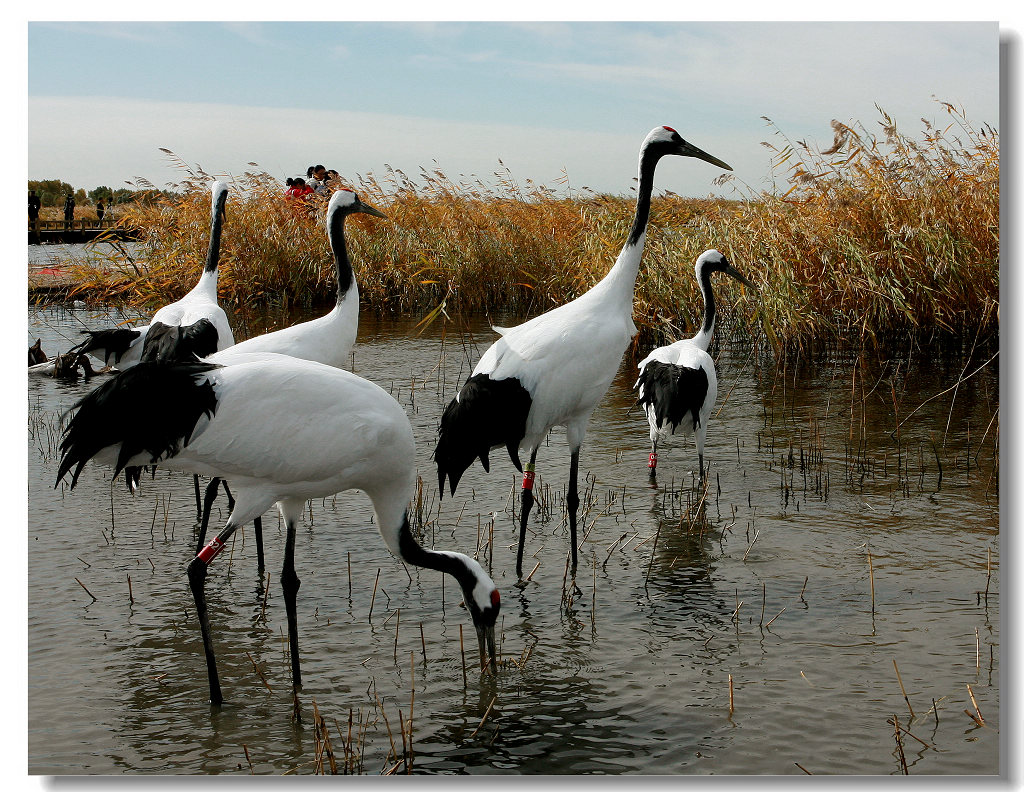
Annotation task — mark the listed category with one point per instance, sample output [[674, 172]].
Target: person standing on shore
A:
[[99, 210], [69, 211], [33, 213]]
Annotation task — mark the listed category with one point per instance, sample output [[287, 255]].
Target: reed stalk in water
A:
[[902, 689]]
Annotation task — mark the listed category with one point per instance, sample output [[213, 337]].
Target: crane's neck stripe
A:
[[216, 226], [342, 265], [709, 302], [648, 163], [450, 563]]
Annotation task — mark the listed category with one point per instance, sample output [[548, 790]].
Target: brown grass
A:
[[873, 241]]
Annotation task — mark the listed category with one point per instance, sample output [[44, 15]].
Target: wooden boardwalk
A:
[[51, 280], [79, 231]]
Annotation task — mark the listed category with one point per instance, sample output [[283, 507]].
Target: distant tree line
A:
[[52, 192]]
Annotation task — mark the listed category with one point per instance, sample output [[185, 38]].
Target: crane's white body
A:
[[287, 430], [327, 339], [566, 358], [199, 303], [687, 354]]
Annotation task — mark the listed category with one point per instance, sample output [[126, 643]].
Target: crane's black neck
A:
[[704, 278], [342, 265], [216, 225], [413, 553], [648, 163]]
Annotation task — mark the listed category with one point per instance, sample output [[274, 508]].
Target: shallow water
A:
[[761, 585]]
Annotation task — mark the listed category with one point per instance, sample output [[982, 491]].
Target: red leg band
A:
[[652, 462], [528, 480], [208, 553]]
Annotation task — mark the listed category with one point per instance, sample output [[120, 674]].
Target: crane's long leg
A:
[[199, 503], [197, 582], [572, 501], [701, 434], [652, 461], [208, 499], [257, 525], [290, 587], [526, 504], [231, 498]]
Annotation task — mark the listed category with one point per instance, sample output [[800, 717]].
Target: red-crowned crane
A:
[[283, 431], [554, 369], [677, 383], [328, 339], [194, 325]]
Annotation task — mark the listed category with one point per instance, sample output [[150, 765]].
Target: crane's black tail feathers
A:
[[673, 391], [167, 343], [151, 407], [488, 413], [109, 344]]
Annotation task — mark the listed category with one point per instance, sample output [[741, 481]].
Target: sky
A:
[[562, 104]]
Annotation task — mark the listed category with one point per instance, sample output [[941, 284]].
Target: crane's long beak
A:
[[486, 635], [366, 208], [731, 270], [689, 150]]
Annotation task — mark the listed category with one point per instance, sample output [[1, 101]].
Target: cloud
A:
[[788, 70]]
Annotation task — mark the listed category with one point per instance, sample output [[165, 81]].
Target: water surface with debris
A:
[[741, 629]]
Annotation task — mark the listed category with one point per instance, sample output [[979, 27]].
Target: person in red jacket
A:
[[297, 188]]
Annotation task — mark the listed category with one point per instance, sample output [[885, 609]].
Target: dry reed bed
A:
[[877, 239]]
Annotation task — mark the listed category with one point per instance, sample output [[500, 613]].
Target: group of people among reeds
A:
[[318, 180]]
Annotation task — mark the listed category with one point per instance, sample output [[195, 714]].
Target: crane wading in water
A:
[[328, 339], [554, 369], [250, 423], [194, 326], [677, 383]]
